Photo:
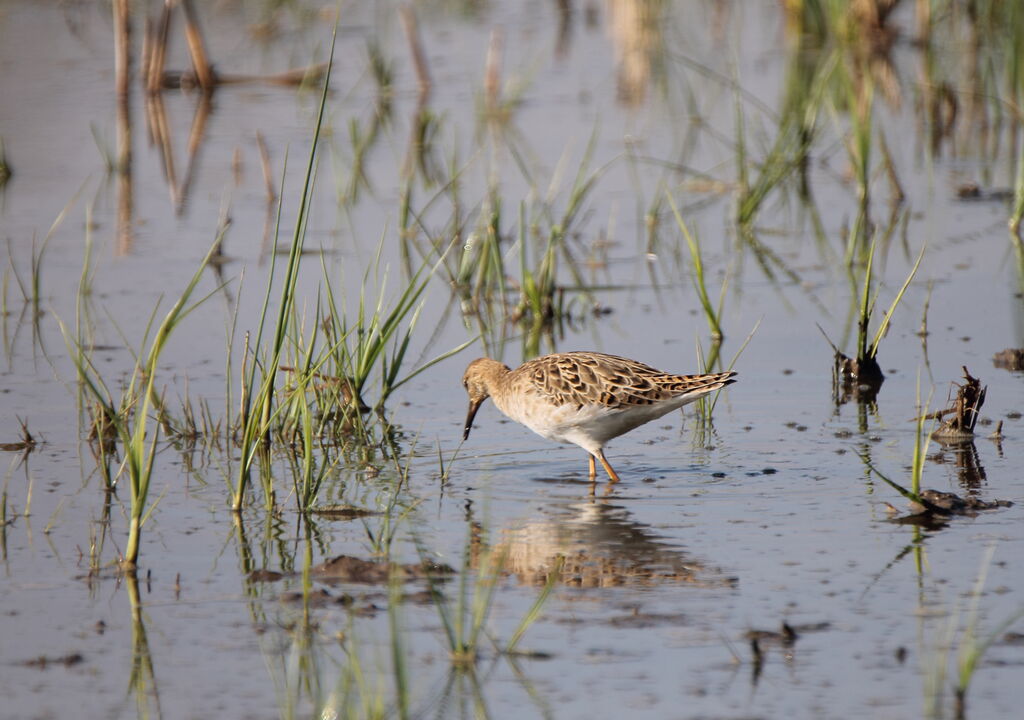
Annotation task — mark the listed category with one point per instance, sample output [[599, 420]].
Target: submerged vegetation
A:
[[333, 471]]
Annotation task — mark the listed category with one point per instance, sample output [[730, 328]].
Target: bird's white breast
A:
[[589, 426]]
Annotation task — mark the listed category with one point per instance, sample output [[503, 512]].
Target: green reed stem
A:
[[710, 312], [258, 410]]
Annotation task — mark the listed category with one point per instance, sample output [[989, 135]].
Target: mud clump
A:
[[343, 512], [857, 379], [1011, 359], [947, 503], [350, 569], [346, 568]]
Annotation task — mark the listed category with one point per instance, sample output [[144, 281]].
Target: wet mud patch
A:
[[343, 512], [638, 620], [351, 569], [359, 604]]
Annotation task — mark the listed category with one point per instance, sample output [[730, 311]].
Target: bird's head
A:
[[479, 378]]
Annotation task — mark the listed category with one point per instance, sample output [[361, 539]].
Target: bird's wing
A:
[[586, 378]]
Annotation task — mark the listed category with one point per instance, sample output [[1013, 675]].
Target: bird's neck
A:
[[496, 379]]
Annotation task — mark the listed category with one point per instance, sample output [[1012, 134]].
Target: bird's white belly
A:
[[589, 426]]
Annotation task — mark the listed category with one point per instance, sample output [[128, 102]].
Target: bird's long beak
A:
[[474, 405]]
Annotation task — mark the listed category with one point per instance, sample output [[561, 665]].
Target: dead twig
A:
[[965, 409]]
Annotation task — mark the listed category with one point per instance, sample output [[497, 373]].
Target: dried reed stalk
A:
[[157, 45], [419, 59], [268, 178], [197, 47], [122, 46], [492, 70], [963, 412]]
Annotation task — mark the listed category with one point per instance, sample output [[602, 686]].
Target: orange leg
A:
[[612, 475], [593, 467]]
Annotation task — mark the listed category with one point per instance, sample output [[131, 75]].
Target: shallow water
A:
[[769, 516]]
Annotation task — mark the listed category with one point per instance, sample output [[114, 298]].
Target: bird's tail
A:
[[694, 387]]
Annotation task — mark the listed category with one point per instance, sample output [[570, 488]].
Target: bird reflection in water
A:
[[602, 546]]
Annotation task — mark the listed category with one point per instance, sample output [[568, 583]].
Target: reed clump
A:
[[257, 396], [127, 416], [861, 376]]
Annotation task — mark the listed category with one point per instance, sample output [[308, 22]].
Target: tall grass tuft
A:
[[377, 339], [32, 290], [257, 401], [861, 376], [130, 416], [869, 297]]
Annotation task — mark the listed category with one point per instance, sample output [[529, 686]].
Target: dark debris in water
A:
[[346, 568], [962, 414], [27, 443], [786, 635], [530, 654], [343, 512], [14, 446], [784, 640], [367, 604], [349, 569], [974, 192], [857, 379], [318, 598], [947, 503], [43, 662], [639, 620], [937, 508], [1011, 359]]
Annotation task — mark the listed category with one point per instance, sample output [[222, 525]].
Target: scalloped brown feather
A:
[[607, 380]]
